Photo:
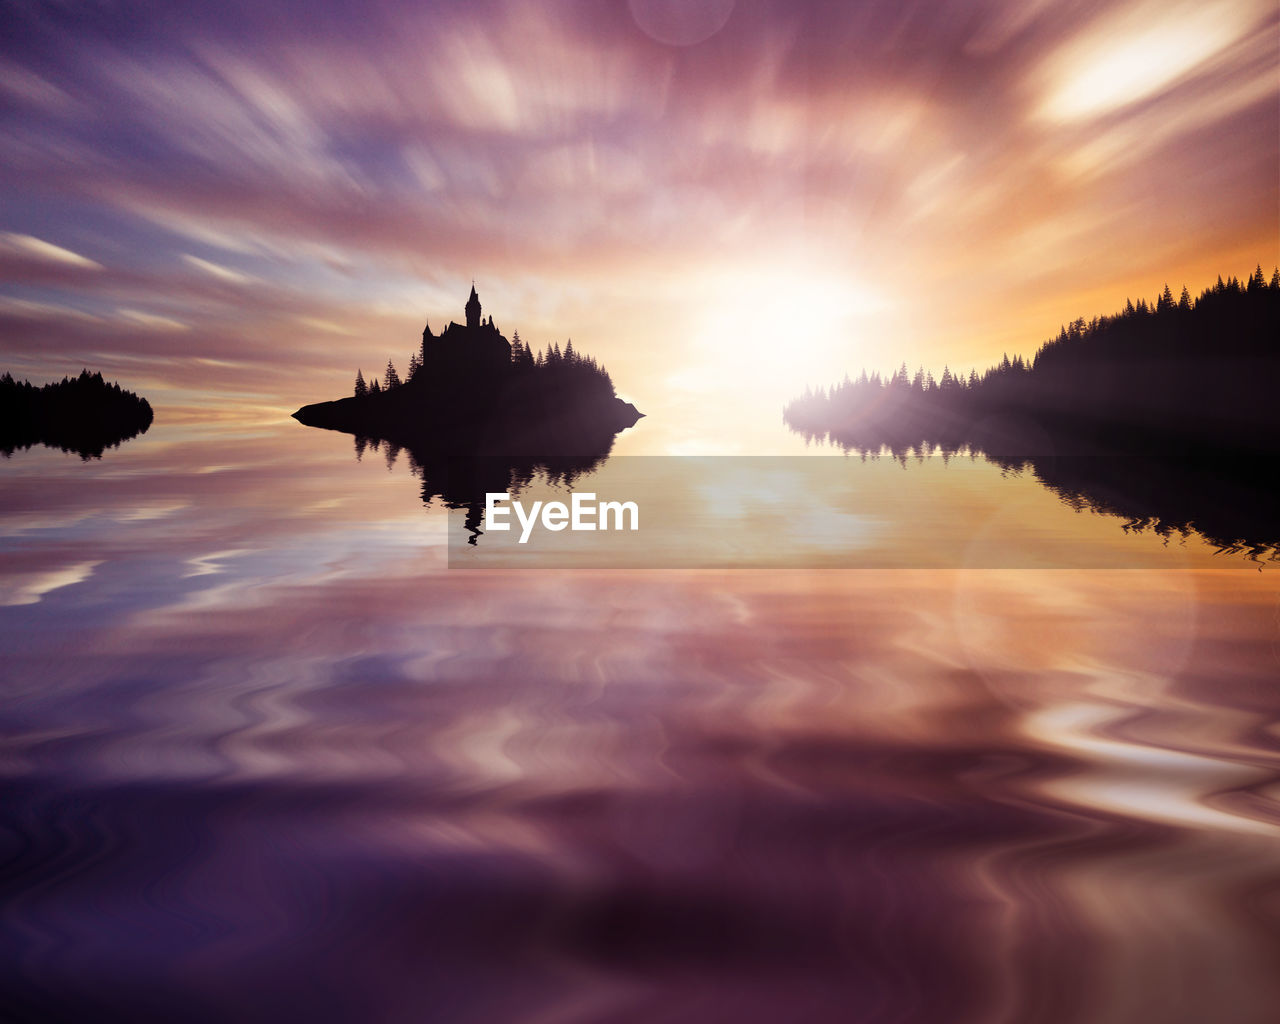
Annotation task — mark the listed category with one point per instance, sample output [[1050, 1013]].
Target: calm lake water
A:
[[266, 757]]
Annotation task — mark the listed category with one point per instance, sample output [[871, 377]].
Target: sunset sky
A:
[[232, 206]]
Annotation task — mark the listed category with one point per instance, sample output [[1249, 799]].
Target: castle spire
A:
[[473, 308]]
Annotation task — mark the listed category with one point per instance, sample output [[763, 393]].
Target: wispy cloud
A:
[[216, 270], [1137, 51], [152, 321], [39, 249], [281, 192]]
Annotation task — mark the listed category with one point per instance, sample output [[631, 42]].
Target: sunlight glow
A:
[[783, 325]]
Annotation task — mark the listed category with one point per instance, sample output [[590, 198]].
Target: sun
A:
[[778, 326]]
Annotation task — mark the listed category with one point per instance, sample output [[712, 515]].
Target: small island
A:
[[470, 391], [83, 414]]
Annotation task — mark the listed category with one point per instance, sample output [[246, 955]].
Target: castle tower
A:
[[473, 308], [427, 337]]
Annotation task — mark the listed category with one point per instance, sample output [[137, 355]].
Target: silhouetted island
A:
[[1165, 415], [83, 414], [470, 391], [1176, 377]]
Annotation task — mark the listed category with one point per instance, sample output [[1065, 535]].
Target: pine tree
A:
[[392, 378], [374, 387], [362, 389], [1184, 302]]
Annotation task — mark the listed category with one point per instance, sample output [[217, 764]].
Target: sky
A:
[[230, 207]]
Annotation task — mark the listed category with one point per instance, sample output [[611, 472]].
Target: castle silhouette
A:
[[477, 349], [469, 390]]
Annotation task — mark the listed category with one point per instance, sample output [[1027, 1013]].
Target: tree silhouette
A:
[[1196, 373], [362, 388], [472, 389], [82, 414]]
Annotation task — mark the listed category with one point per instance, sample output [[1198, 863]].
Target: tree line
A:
[[1199, 371], [552, 368], [83, 414]]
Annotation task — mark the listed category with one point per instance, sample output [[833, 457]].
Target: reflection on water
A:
[[461, 482], [1233, 502], [933, 512], [264, 757]]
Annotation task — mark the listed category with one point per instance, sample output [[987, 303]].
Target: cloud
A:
[[250, 180], [152, 321], [28, 308], [46, 252], [216, 270], [1138, 51]]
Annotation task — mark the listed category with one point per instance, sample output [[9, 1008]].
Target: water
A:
[[265, 757]]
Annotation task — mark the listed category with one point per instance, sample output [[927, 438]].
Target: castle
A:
[[468, 394], [477, 349]]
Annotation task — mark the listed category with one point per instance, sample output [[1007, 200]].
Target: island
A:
[[82, 414], [470, 392], [1165, 415], [1176, 376]]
